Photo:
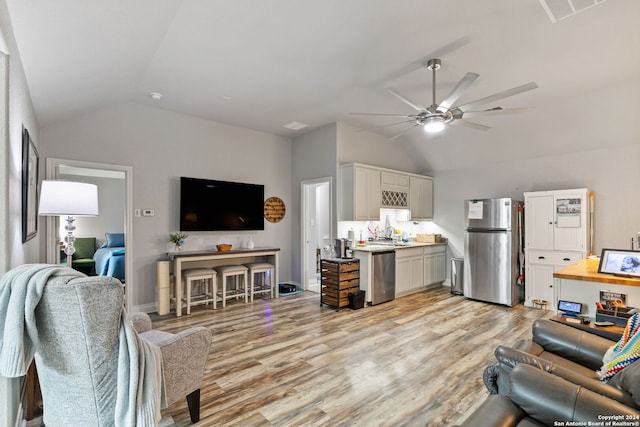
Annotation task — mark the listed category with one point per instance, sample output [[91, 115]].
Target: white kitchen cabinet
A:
[[395, 181], [556, 235], [419, 267], [359, 193], [409, 270], [364, 189], [435, 264], [421, 197], [395, 190]]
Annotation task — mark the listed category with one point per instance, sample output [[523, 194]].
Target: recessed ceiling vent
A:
[[295, 125], [561, 9]]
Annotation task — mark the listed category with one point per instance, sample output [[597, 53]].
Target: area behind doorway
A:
[[316, 226]]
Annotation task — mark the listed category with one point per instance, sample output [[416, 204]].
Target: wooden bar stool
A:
[[235, 271], [205, 277], [266, 284]]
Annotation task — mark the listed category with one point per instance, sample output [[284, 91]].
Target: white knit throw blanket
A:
[[139, 362]]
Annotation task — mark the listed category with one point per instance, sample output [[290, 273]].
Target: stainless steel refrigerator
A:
[[493, 253]]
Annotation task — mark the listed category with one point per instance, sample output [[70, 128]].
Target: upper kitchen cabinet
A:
[[363, 190], [359, 193], [395, 190], [421, 197], [557, 220], [395, 181]]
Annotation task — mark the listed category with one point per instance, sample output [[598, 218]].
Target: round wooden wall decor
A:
[[274, 209]]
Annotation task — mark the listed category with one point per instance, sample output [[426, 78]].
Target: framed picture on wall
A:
[[29, 187], [620, 262]]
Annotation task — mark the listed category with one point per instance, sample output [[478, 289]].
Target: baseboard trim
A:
[[145, 308]]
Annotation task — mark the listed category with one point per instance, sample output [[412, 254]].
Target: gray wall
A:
[[362, 146], [161, 146], [313, 156], [612, 174], [18, 111]]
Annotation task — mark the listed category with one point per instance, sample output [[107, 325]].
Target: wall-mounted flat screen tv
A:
[[208, 205]]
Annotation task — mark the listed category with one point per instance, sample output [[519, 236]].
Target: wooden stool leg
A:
[[271, 284], [252, 280], [189, 284], [223, 283], [214, 292], [245, 286]]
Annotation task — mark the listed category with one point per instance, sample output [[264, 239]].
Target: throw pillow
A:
[[628, 380], [114, 240]]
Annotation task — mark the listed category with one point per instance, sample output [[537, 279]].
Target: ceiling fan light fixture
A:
[[434, 124]]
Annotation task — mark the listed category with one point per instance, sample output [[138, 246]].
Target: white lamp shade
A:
[[59, 198]]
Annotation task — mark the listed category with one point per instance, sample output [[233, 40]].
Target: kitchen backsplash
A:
[[397, 220]]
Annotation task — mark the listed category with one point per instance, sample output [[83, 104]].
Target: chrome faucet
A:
[[388, 232]]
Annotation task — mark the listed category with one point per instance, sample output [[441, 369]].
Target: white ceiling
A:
[[261, 64]]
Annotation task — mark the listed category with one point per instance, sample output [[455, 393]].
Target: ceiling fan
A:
[[437, 116]]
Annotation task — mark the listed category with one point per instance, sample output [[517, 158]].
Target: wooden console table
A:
[[175, 262]]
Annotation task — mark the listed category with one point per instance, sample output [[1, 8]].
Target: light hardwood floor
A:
[[414, 361]]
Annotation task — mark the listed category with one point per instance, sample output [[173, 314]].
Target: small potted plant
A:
[[178, 239]]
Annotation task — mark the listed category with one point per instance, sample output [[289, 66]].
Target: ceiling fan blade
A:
[[380, 114], [403, 132], [457, 91], [471, 125], [497, 111], [412, 104], [496, 96]]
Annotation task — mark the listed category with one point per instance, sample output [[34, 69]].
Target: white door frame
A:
[[305, 187], [53, 251]]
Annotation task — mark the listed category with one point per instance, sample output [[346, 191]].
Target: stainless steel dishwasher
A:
[[384, 276]]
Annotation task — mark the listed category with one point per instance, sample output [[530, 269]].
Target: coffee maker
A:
[[344, 248]]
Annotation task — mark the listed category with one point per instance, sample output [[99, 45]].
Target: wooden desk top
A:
[[170, 256], [587, 270]]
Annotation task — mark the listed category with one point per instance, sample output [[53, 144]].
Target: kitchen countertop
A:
[[377, 247]]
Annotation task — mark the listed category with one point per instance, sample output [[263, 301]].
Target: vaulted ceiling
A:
[[261, 64]]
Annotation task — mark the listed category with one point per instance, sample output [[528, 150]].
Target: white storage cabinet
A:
[[556, 235]]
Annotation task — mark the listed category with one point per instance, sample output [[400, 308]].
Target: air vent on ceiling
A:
[[561, 9], [295, 125]]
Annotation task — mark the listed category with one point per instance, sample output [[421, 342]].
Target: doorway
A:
[[115, 200], [316, 229]]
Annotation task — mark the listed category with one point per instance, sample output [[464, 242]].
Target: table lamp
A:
[[70, 199]]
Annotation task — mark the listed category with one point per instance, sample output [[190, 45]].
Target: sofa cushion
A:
[[530, 347], [628, 380]]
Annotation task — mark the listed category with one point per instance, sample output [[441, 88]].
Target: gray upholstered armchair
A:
[[183, 356], [94, 368]]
